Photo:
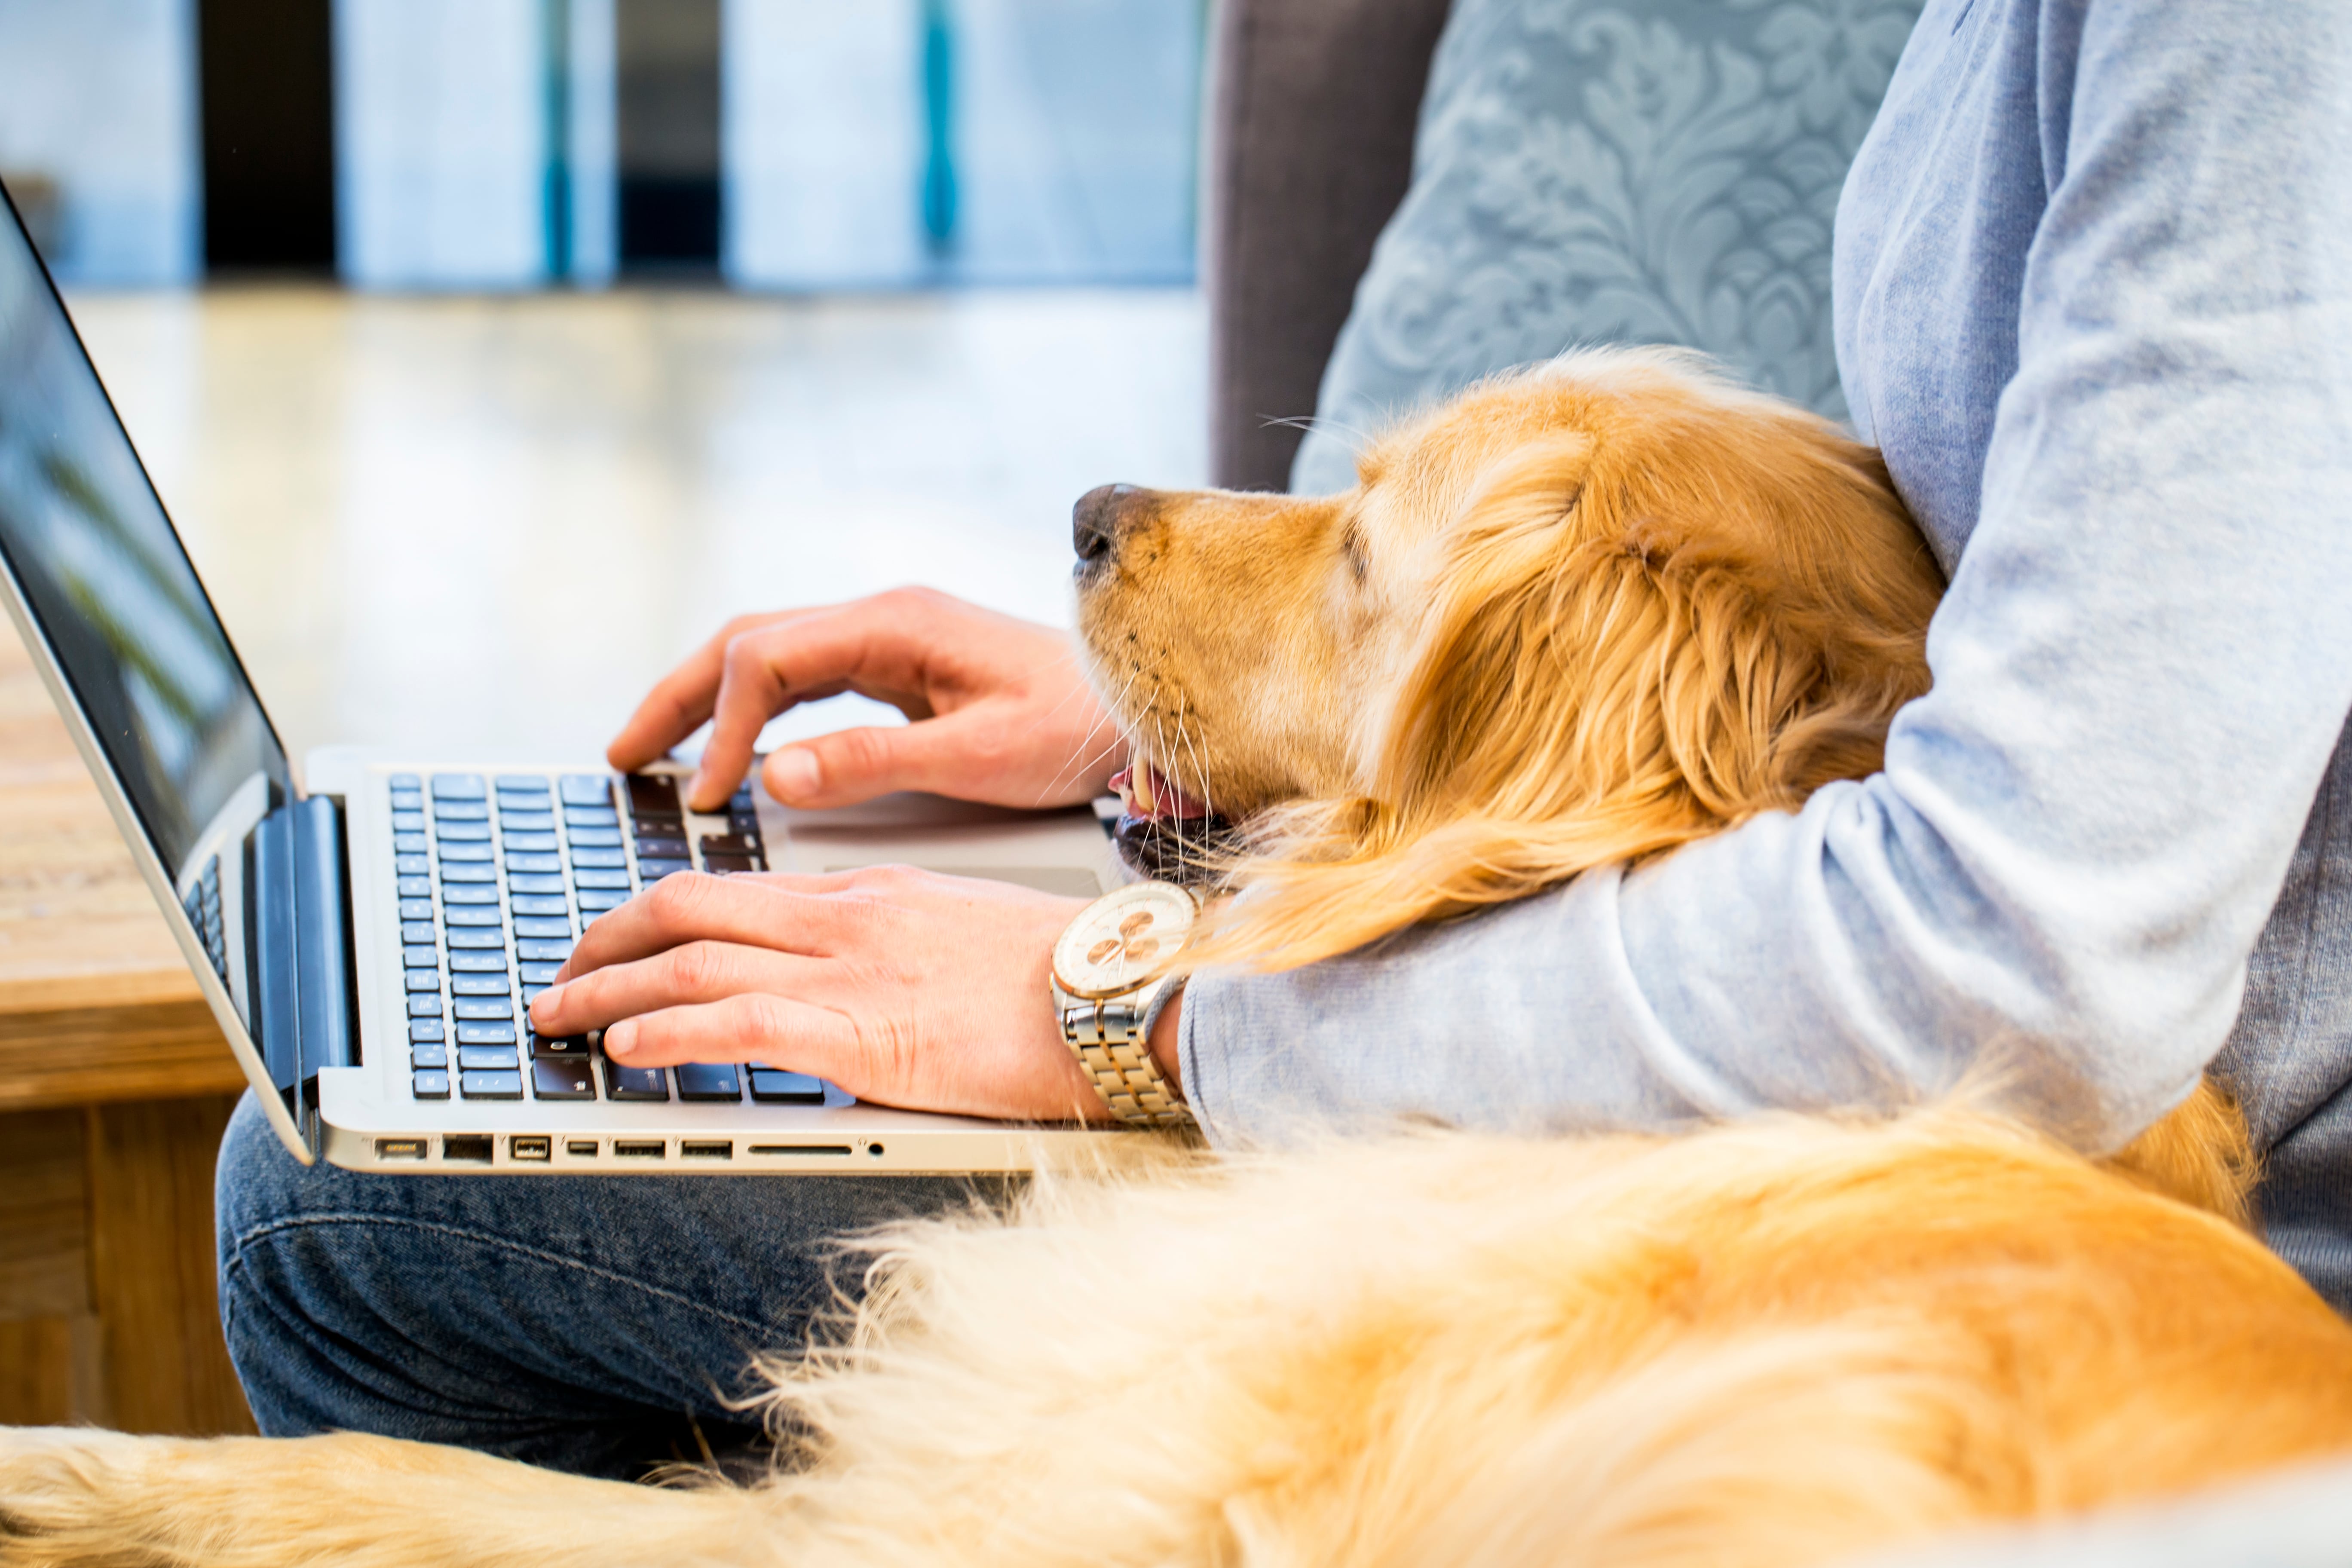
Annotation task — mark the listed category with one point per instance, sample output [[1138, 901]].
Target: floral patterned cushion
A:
[[1613, 171]]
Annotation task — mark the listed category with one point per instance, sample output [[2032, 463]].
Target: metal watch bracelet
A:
[[1111, 1042]]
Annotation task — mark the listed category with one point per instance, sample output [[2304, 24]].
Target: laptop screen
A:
[[109, 582]]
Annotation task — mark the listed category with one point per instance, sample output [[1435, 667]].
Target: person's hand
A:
[[905, 987], [1001, 707]]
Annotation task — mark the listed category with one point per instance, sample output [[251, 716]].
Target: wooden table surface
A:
[[96, 1003]]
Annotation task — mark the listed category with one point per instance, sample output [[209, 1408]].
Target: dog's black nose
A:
[[1095, 520]]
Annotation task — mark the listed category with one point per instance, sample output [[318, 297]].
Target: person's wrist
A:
[[1165, 1041]]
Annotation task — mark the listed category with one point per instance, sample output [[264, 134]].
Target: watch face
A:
[[1124, 939]]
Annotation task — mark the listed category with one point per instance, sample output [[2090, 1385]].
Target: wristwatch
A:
[[1110, 972]]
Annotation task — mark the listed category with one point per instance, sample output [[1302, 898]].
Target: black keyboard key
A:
[[472, 914], [415, 866], [540, 925], [465, 832], [539, 904], [487, 1057], [730, 864], [416, 908], [471, 893], [491, 1085], [599, 859], [634, 1083], [413, 887], [746, 823], [655, 870], [596, 900], [486, 1033], [424, 1007], [480, 986], [543, 952], [472, 1008], [408, 822], [477, 936], [528, 863], [601, 876], [774, 1086], [478, 871], [493, 962], [420, 955], [458, 786], [460, 811], [420, 980], [651, 793], [417, 931], [456, 853], [568, 1047], [425, 1031], [595, 839], [409, 843], [563, 1080], [540, 974], [732, 844], [585, 789], [532, 843], [708, 1081], [429, 1057], [433, 1084], [661, 845], [535, 882]]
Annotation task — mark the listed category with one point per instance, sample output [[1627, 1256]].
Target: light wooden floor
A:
[[489, 522]]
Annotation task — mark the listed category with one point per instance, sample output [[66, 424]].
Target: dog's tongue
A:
[[1149, 794]]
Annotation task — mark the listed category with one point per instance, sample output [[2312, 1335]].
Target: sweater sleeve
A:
[[2141, 669]]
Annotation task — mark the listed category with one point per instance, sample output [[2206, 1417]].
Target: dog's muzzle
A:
[[1165, 836]]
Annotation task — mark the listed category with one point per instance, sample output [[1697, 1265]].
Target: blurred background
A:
[[490, 353]]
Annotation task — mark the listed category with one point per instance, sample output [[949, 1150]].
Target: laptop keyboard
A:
[[495, 876], [204, 907]]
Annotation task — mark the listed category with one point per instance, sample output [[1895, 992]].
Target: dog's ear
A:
[[1622, 654]]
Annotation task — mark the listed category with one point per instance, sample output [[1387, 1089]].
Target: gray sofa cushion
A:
[[1613, 171]]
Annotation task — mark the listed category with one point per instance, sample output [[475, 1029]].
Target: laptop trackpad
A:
[[1071, 881]]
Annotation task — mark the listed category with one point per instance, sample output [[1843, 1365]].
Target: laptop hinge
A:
[[300, 916]]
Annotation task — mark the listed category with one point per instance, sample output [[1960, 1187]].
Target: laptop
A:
[[370, 932]]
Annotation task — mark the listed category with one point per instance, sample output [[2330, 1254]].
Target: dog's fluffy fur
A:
[[1582, 616], [1579, 616]]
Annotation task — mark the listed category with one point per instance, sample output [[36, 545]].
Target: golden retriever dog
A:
[[1577, 616]]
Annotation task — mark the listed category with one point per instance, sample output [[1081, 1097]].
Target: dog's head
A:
[[1583, 614]]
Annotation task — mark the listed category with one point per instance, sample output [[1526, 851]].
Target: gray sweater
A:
[[2093, 286]]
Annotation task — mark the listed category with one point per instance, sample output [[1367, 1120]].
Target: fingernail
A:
[[792, 774], [621, 1040], [549, 1000], [693, 788]]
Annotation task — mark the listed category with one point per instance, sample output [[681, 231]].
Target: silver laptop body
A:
[[369, 935]]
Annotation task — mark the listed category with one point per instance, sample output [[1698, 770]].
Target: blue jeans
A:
[[600, 1324]]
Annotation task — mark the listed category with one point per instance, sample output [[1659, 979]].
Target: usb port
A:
[[580, 1148], [400, 1147], [522, 1148], [472, 1148], [637, 1148], [706, 1149]]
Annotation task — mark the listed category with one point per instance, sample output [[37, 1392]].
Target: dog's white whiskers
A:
[[1086, 754]]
